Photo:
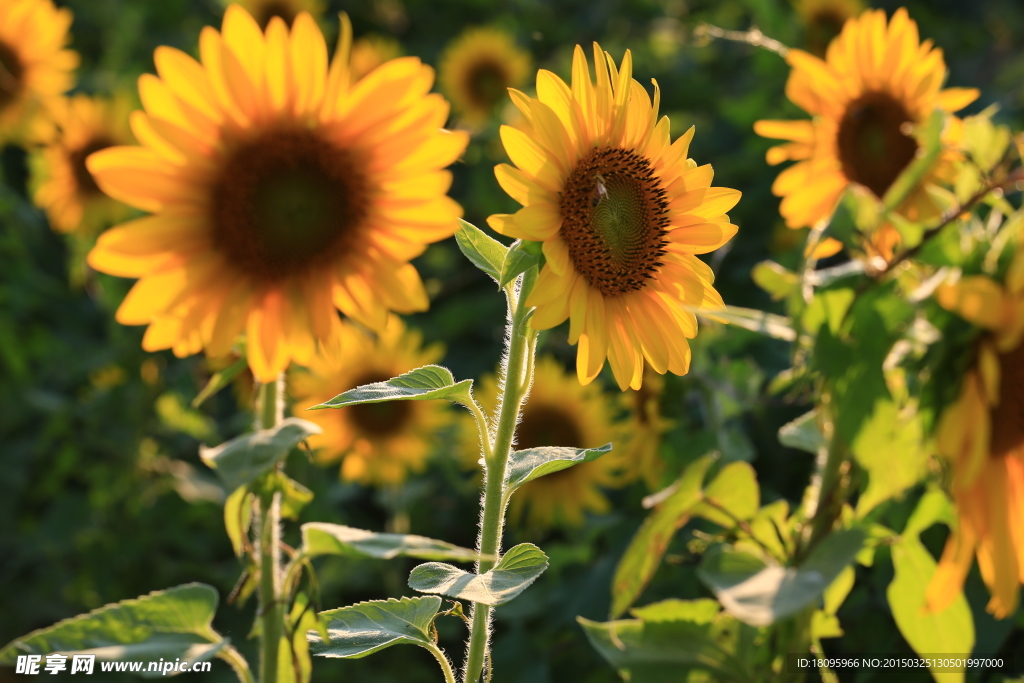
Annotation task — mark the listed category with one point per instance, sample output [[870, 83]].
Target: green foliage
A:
[[803, 433], [164, 625], [485, 252], [893, 450], [778, 281], [246, 458], [532, 463], [367, 627], [320, 538], [221, 379], [518, 568], [517, 261], [422, 384]]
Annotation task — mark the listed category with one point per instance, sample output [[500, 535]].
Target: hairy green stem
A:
[[237, 662], [516, 381], [270, 411], [446, 667]]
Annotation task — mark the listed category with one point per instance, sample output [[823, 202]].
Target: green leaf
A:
[[294, 496], [517, 569], [825, 626], [237, 517], [178, 416], [759, 594], [294, 662], [485, 252], [949, 631], [645, 551], [367, 627], [702, 611], [422, 384], [803, 433], [168, 625], [733, 494], [984, 141], [517, 261], [248, 457], [828, 307], [532, 463], [220, 380], [934, 506], [769, 324], [886, 432], [778, 281], [319, 538], [662, 651]]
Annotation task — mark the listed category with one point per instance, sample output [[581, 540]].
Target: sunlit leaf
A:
[[422, 384], [220, 379], [319, 538], [778, 281], [517, 569], [532, 463], [248, 457], [803, 433], [517, 261], [237, 517], [732, 495], [485, 252], [888, 432], [367, 627]]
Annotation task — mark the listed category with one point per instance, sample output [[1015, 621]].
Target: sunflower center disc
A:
[[873, 148], [547, 425], [1007, 418], [614, 220], [84, 181], [286, 202], [486, 83], [822, 26], [271, 9], [379, 419], [11, 72]]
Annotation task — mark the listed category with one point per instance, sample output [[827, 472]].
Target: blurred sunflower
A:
[[369, 52], [288, 10], [559, 412], [982, 435], [64, 187], [823, 20], [877, 79], [643, 431], [281, 192], [35, 68], [378, 443], [622, 213], [478, 68]]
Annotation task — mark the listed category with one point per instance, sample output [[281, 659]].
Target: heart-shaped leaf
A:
[[531, 463], [485, 252], [367, 627], [422, 384], [803, 433], [319, 538], [516, 570], [169, 624], [248, 457]]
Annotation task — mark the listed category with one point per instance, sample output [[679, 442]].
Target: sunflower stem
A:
[[516, 379], [270, 411]]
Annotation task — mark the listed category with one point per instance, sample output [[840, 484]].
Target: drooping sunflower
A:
[[559, 412], [64, 187], [876, 82], [35, 67], [281, 192], [477, 70], [622, 214], [644, 430], [982, 435], [823, 20], [378, 443], [369, 52], [288, 10]]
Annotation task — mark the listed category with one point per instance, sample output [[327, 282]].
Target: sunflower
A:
[[281, 192], [369, 52], [35, 68], [379, 443], [288, 10], [643, 431], [622, 213], [982, 435], [64, 186], [559, 412], [823, 20], [876, 79], [478, 68]]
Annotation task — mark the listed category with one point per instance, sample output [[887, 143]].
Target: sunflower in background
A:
[[644, 431], [64, 188], [823, 20], [622, 213], [35, 67], [377, 443], [288, 10], [281, 192], [371, 51], [877, 80], [559, 412], [477, 69], [982, 435]]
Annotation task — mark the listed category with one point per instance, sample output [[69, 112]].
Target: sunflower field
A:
[[528, 342]]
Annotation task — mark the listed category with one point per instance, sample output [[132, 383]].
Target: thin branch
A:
[[705, 32]]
